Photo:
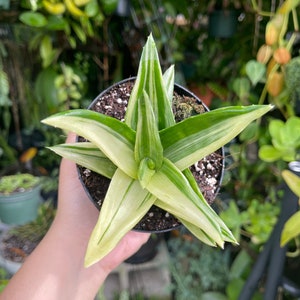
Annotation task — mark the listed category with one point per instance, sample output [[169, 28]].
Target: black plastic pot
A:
[[104, 182], [147, 252]]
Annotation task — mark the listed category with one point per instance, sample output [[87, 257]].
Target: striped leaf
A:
[[86, 155], [226, 233], [124, 205], [150, 80], [199, 233], [114, 138], [192, 139], [169, 78], [148, 149], [168, 184]]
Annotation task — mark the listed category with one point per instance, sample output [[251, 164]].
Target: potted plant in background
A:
[[19, 198], [19, 241], [270, 146], [147, 157], [278, 58]]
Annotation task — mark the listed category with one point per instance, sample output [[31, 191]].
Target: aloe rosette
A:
[[147, 157]]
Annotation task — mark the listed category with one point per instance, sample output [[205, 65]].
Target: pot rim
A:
[[11, 197]]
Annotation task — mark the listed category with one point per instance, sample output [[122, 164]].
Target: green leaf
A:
[[150, 80], [168, 184], [146, 171], [88, 26], [250, 132], [211, 130], [286, 7], [114, 138], [4, 85], [285, 137], [225, 232], [168, 78], [87, 155], [234, 288], [291, 131], [56, 23], [46, 51], [269, 153], [91, 157], [198, 233], [276, 130], [255, 71], [120, 207], [92, 9], [232, 217], [240, 264], [79, 32], [72, 41], [148, 149], [212, 296], [292, 180], [46, 46], [241, 87], [291, 229], [275, 127], [109, 6], [34, 19]]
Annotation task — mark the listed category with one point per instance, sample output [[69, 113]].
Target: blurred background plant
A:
[[58, 54], [4, 278], [261, 155], [196, 269], [202, 272]]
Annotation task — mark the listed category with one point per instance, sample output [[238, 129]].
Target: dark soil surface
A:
[[207, 172]]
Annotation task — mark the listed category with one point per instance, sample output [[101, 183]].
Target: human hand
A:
[[55, 269], [79, 215]]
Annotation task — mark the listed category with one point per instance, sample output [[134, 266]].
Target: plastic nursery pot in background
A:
[[208, 172], [20, 207]]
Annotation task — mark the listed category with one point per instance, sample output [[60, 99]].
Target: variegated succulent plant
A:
[[147, 157]]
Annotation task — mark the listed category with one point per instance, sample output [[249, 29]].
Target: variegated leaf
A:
[[124, 205], [168, 184], [114, 138], [150, 80], [199, 233], [169, 79], [86, 155], [225, 231], [148, 149], [192, 139]]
